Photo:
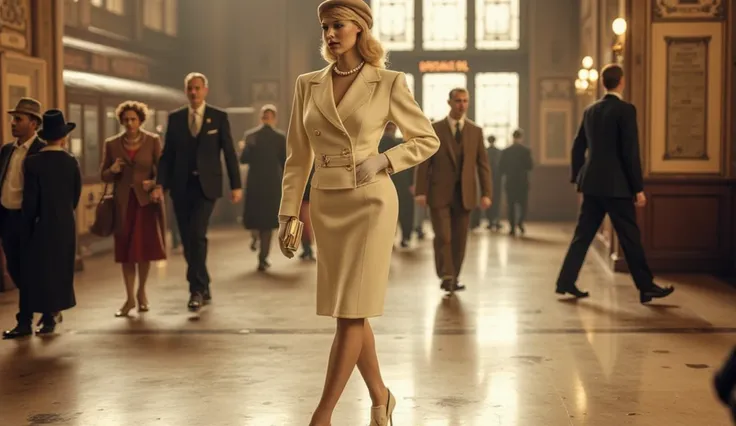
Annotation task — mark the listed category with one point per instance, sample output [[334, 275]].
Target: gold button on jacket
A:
[[354, 223]]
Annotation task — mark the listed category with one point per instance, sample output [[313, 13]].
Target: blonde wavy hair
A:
[[369, 48]]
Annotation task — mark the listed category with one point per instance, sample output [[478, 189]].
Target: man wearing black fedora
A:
[[26, 119], [52, 187]]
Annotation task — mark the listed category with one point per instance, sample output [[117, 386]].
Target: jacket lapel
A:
[[359, 93], [324, 97], [206, 119], [448, 140], [36, 146], [465, 145]]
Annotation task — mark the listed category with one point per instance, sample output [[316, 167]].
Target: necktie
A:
[[193, 124], [458, 134]]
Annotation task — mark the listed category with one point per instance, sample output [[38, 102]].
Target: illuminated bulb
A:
[[579, 84], [583, 74], [584, 84], [587, 62], [593, 75], [619, 26]]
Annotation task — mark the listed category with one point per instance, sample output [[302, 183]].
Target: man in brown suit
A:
[[447, 183]]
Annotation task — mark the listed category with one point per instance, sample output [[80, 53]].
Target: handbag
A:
[[104, 224], [293, 235]]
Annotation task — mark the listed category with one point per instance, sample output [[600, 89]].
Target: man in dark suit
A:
[[403, 181], [26, 120], [610, 179], [190, 168], [494, 159], [447, 182], [515, 165], [492, 214], [265, 154]]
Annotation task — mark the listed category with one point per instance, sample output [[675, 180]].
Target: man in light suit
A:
[[611, 182], [447, 183], [190, 168]]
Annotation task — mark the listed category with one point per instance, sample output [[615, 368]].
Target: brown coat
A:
[[436, 177], [143, 167]]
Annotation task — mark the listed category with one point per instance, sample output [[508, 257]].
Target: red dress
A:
[[139, 240]]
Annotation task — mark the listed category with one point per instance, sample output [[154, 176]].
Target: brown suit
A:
[[448, 179], [134, 172]]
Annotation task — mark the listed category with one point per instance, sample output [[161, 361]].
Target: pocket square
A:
[[212, 132]]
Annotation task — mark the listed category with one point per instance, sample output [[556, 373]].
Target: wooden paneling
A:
[[687, 226]]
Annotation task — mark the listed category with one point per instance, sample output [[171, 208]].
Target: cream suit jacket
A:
[[334, 139]]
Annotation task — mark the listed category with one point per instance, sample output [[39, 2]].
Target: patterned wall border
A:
[[703, 10]]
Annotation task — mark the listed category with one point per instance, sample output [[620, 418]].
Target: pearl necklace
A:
[[346, 73]]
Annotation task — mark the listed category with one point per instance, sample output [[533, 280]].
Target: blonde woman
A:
[[130, 163], [338, 117]]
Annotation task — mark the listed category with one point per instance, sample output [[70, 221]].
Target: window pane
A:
[[116, 6], [497, 24], [153, 14], [436, 90], [171, 24], [162, 118], [444, 24], [394, 23], [497, 105], [150, 123], [112, 125], [91, 141], [75, 137]]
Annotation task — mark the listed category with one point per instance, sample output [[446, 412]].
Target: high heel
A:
[[123, 312], [143, 304], [383, 414]]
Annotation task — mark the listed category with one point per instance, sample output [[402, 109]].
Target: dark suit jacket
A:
[[405, 178], [494, 160], [214, 138], [435, 177], [609, 134], [515, 165], [265, 154]]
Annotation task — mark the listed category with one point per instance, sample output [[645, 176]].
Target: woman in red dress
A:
[[130, 163]]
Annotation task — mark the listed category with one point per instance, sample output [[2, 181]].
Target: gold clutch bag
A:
[[293, 235]]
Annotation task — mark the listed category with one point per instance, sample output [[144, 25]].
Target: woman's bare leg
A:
[[346, 348], [129, 278], [143, 270], [370, 369]]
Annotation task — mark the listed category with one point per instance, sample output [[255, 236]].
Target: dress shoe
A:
[[383, 414], [18, 332], [404, 243], [457, 286], [49, 324], [195, 302], [447, 284], [573, 290], [654, 292]]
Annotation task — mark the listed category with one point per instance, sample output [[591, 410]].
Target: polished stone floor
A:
[[505, 352]]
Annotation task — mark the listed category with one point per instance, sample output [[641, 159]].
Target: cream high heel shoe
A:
[[383, 414]]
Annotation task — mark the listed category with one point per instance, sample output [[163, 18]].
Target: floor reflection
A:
[[505, 352]]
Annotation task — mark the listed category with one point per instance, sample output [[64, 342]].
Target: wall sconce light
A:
[[619, 28], [587, 77]]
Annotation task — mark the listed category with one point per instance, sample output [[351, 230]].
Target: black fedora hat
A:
[[54, 126]]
